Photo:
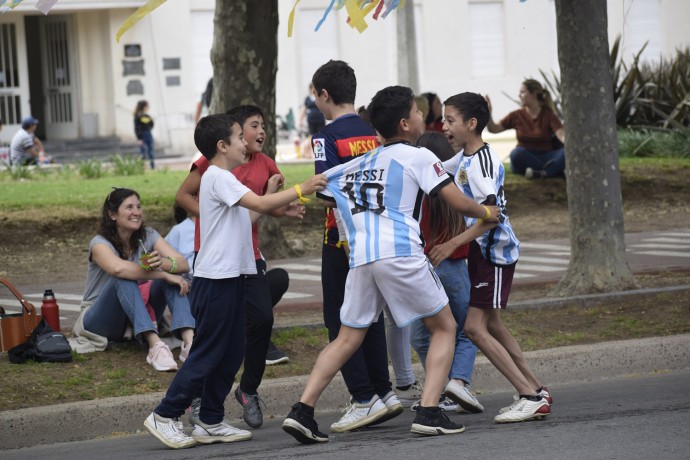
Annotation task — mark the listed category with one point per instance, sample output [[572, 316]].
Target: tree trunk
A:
[[245, 59], [597, 261], [245, 62]]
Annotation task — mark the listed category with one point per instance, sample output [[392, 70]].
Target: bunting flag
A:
[[357, 11], [45, 5], [9, 4], [137, 16]]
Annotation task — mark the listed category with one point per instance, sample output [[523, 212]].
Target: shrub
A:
[[90, 169], [127, 165], [651, 143], [648, 95]]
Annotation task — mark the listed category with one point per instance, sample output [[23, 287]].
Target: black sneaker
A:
[[251, 412], [302, 426], [275, 356], [433, 421]]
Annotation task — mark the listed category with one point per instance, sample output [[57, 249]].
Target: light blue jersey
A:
[[480, 176], [379, 197]]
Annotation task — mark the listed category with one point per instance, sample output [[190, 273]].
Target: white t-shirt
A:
[[22, 141], [226, 249], [480, 176], [379, 196]]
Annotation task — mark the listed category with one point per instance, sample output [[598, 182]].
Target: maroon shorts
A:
[[490, 283]]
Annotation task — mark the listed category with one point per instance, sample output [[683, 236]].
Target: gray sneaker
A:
[[195, 408], [251, 405]]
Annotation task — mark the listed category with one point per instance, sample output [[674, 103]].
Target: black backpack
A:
[[44, 345]]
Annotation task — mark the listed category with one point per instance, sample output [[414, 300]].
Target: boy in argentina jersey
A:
[[379, 196], [492, 257]]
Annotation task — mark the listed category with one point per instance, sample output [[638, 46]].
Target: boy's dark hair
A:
[[179, 213], [243, 112], [212, 129], [338, 79], [471, 105], [388, 107]]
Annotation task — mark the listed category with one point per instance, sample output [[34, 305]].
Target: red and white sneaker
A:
[[523, 409], [546, 394]]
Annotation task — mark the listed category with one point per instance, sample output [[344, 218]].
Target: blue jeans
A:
[[551, 161], [216, 354], [146, 148], [456, 281], [120, 303]]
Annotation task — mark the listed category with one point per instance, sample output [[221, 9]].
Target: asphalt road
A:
[[638, 417]]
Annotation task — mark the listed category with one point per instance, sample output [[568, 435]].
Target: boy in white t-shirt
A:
[[379, 196], [225, 258]]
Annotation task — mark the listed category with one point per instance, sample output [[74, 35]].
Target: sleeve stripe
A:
[[486, 162]]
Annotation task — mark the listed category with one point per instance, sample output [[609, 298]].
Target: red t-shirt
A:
[[533, 133], [460, 253], [254, 175]]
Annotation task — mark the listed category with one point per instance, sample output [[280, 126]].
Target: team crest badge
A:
[[319, 149], [440, 171], [462, 176]]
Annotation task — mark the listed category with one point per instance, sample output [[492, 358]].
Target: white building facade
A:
[[67, 70]]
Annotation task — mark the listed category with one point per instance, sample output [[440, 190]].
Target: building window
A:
[[10, 101], [487, 45]]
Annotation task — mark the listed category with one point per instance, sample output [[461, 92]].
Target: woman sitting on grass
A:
[[122, 256]]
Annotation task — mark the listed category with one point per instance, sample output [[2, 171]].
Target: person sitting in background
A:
[[535, 125], [25, 148], [434, 115], [124, 253], [181, 237]]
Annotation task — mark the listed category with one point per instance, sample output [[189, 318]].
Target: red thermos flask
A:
[[50, 310]]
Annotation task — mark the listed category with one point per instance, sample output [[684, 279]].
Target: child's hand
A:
[[295, 210], [441, 252], [275, 183], [314, 184], [495, 213]]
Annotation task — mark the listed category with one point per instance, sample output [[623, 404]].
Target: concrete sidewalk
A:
[[115, 416]]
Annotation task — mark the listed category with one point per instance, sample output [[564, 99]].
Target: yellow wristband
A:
[[488, 212], [302, 199], [173, 266]]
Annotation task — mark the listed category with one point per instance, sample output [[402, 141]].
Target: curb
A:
[[113, 416]]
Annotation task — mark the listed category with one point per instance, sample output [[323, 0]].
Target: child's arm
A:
[[264, 204], [452, 195], [186, 196], [441, 252]]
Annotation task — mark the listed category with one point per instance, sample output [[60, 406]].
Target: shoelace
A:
[[259, 402]]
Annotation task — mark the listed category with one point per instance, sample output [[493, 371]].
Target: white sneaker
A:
[[161, 358], [411, 395], [184, 352], [393, 405], [503, 410], [462, 395], [220, 432], [524, 409], [168, 431], [358, 415]]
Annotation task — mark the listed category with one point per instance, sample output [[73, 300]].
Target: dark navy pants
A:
[[216, 353]]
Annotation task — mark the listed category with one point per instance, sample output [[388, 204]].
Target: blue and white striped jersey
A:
[[379, 196], [480, 176]]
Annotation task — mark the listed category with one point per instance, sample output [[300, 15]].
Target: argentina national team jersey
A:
[[480, 176], [379, 196]]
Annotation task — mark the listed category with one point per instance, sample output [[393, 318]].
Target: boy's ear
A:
[[403, 125], [472, 124], [325, 94]]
